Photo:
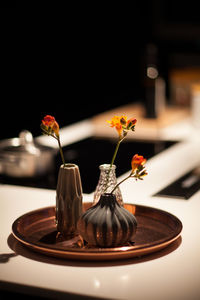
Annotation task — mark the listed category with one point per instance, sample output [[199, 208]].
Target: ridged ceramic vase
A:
[[107, 181], [107, 224], [68, 200]]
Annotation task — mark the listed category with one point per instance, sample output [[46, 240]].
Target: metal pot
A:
[[22, 157]]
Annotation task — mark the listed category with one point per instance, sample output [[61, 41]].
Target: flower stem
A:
[[116, 150], [111, 164], [121, 182], [112, 161], [115, 153], [61, 152]]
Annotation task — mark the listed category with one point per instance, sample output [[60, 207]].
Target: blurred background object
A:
[[181, 81], [77, 65], [195, 104]]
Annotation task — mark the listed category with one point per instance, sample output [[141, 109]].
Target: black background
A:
[[81, 59], [74, 62]]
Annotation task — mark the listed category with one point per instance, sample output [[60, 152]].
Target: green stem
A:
[[55, 136], [115, 153], [113, 160], [121, 182], [61, 152], [116, 150]]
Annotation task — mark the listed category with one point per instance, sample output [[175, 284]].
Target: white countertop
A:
[[172, 273]]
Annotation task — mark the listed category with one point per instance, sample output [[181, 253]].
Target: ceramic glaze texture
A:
[[107, 224], [68, 199]]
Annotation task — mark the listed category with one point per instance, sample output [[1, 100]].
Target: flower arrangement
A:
[[123, 126], [108, 223], [50, 127], [115, 231]]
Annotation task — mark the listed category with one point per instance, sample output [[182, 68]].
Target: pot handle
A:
[[25, 137]]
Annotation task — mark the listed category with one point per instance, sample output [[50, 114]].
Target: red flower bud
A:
[[137, 161], [50, 124], [131, 123]]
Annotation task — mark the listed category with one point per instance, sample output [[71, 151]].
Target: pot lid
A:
[[24, 144]]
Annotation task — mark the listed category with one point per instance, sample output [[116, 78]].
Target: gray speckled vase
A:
[[68, 200]]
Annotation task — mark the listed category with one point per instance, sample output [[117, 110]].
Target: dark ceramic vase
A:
[[68, 200], [107, 224]]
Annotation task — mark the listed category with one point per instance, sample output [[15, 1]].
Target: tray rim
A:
[[99, 253]]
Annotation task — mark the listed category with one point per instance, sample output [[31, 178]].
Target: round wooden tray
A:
[[156, 230]]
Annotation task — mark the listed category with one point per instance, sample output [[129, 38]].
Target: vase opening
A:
[[108, 199], [107, 167], [68, 166]]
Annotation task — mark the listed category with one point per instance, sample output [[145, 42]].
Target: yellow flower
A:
[[122, 125]]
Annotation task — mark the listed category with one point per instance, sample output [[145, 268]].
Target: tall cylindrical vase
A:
[[107, 182], [68, 200]]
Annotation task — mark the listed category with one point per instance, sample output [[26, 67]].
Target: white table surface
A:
[[173, 273]]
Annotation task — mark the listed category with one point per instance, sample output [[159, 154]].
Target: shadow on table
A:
[[19, 249], [23, 292], [4, 257]]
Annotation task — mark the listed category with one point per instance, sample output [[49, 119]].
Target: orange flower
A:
[[138, 170], [50, 125], [48, 120], [137, 162], [115, 122], [122, 125]]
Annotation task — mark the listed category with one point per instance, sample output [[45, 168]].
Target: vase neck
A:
[[68, 166], [106, 167], [108, 199], [107, 171], [107, 182]]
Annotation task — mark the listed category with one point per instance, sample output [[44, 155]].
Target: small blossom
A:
[[122, 125], [117, 123], [138, 170], [123, 120], [137, 161], [48, 120], [131, 124], [50, 126]]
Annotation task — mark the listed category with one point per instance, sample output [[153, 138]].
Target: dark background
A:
[[77, 61]]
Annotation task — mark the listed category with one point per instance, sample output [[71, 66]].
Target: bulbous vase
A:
[[107, 224]]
